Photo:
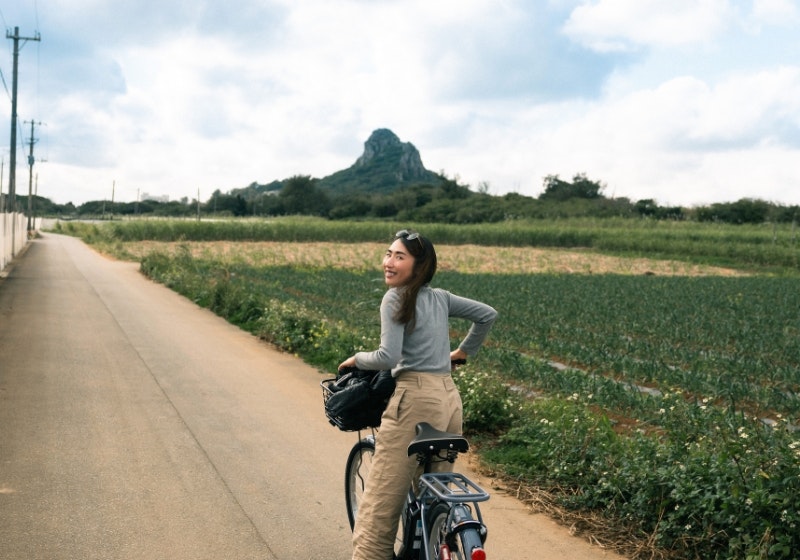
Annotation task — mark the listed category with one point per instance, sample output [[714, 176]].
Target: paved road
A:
[[135, 425]]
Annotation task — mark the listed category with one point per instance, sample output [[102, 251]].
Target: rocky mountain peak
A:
[[384, 145]]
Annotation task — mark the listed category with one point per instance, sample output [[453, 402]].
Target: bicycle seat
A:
[[429, 439]]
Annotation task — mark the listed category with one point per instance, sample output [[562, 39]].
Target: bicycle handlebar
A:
[[350, 369]]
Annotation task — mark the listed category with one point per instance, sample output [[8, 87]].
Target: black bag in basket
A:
[[358, 398]]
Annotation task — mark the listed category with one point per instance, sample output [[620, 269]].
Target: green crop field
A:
[[658, 410]]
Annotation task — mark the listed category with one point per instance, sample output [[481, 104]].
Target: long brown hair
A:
[[422, 273]]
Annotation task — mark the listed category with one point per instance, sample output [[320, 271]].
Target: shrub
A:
[[489, 405]]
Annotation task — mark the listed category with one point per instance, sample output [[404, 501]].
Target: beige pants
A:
[[418, 397]]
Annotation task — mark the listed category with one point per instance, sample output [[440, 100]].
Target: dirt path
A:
[[515, 532]]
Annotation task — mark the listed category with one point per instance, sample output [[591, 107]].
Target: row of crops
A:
[[668, 406]]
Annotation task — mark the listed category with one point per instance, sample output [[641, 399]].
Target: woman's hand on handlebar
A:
[[457, 357], [349, 362]]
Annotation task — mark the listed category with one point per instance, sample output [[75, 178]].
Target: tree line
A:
[[445, 201]]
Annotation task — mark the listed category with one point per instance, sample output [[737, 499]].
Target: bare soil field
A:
[[462, 258]]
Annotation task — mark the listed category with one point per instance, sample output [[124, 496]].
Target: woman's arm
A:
[[390, 351], [482, 316]]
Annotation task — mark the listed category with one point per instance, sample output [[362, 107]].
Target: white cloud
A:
[[776, 12], [623, 25], [683, 142]]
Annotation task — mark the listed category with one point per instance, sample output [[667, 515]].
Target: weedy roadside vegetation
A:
[[656, 409]]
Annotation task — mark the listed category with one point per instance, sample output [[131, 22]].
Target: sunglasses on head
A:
[[404, 233]]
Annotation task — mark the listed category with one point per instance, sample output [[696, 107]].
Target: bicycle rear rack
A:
[[453, 487]]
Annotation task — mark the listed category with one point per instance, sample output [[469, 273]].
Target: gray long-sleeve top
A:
[[427, 347]]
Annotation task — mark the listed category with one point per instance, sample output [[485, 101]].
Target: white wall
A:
[[13, 236]]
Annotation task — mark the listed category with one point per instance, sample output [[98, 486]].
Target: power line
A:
[[3, 78]]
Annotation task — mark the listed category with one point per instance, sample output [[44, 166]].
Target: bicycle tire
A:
[[359, 463], [437, 529], [468, 538]]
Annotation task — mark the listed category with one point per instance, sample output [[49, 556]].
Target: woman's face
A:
[[398, 265]]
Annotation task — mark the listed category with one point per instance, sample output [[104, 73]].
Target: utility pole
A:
[[12, 193], [31, 225], [13, 163], [35, 194]]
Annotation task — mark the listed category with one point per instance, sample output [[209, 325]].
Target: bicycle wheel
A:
[[407, 545], [437, 531], [359, 463], [469, 546]]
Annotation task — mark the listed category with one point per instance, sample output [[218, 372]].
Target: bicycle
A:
[[437, 521]]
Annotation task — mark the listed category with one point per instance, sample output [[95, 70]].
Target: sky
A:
[[686, 102]]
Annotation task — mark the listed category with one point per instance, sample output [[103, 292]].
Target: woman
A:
[[415, 345]]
